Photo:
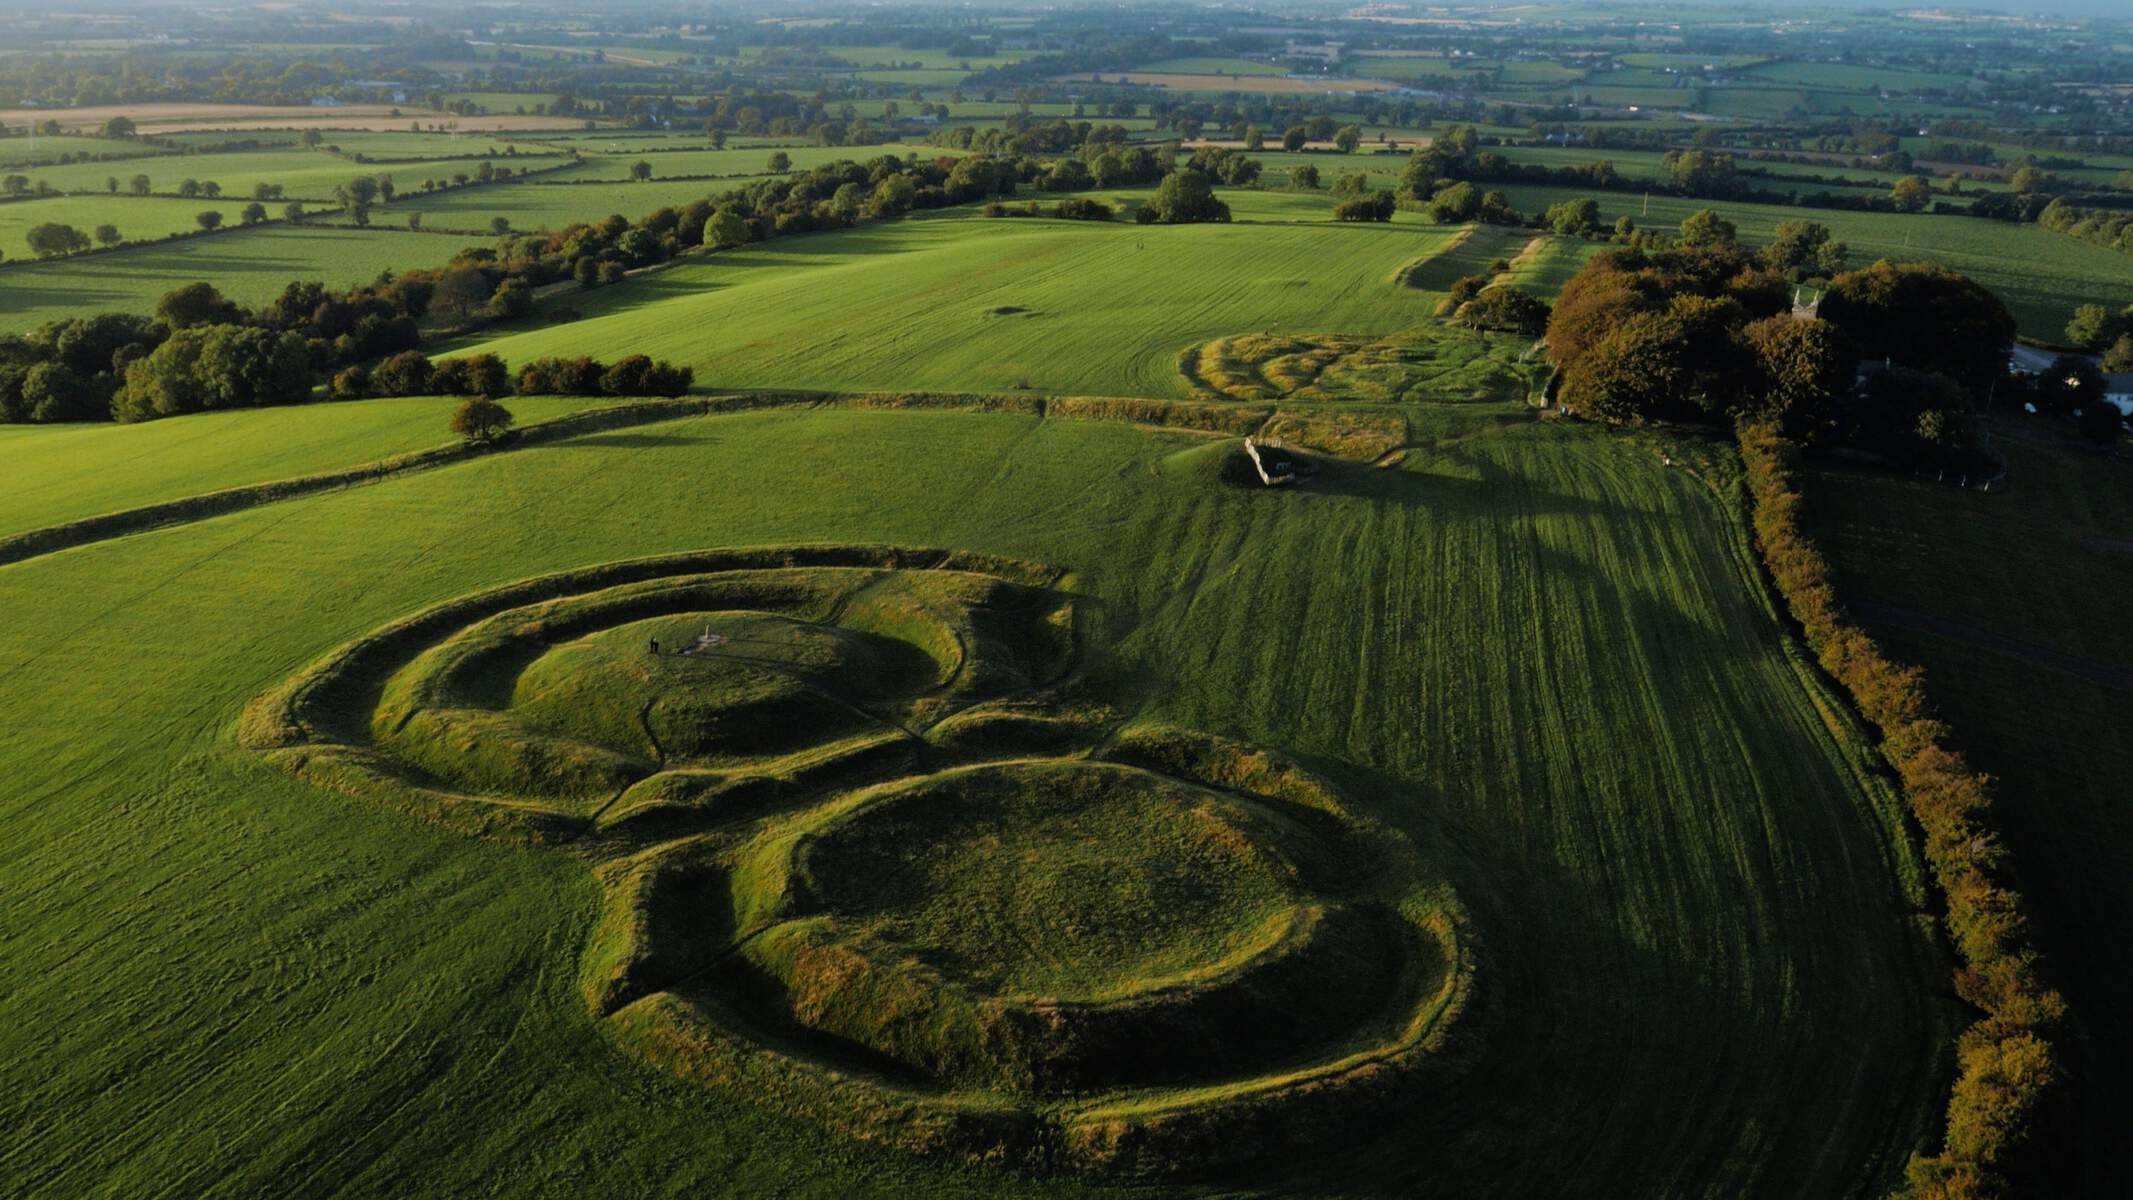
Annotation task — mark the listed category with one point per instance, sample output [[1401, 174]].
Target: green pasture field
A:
[[1846, 77], [1472, 250], [531, 206], [1686, 62], [1533, 73], [1763, 103], [1532, 648], [303, 174], [430, 145], [1783, 176], [2008, 599], [27, 151], [1629, 97], [1006, 301], [918, 77], [1205, 65], [1410, 70], [66, 472], [223, 137], [139, 218], [1545, 265], [876, 57], [751, 161], [502, 102], [251, 266], [2040, 275]]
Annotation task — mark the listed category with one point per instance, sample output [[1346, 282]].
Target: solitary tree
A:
[[108, 235], [1293, 138], [1707, 228], [1911, 194], [253, 213], [292, 211], [1304, 175], [111, 184], [118, 127], [499, 225], [780, 162], [481, 420], [1348, 138], [208, 218], [140, 185], [196, 304], [640, 170]]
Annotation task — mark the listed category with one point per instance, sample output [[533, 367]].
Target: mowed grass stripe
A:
[[956, 302]]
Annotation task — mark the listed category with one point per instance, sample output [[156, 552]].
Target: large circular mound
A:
[[698, 685], [538, 707]]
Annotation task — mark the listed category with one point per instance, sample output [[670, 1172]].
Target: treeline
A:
[[2101, 227], [1703, 330], [2005, 1062], [412, 373]]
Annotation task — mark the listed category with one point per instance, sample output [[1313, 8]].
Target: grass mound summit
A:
[[868, 861]]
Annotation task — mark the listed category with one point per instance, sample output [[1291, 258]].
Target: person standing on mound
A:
[[655, 647]]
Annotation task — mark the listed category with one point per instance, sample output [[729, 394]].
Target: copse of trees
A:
[[1184, 197], [211, 367], [1702, 332], [1503, 308]]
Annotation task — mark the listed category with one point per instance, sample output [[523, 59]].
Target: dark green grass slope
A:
[[2013, 603], [1532, 647], [63, 472]]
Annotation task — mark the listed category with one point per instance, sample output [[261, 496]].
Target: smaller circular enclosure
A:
[[1135, 964]]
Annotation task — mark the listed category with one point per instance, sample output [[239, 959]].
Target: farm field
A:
[[972, 701], [1270, 84], [1005, 301], [22, 151], [65, 472], [549, 205], [2007, 600], [2040, 275], [1209, 65], [248, 265], [1638, 932], [303, 174], [616, 164], [138, 218], [160, 118]]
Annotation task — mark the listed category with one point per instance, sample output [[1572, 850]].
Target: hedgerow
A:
[[2005, 1064]]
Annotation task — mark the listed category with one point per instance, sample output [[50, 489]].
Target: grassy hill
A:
[[953, 301], [1532, 648]]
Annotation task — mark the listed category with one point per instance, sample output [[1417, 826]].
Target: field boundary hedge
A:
[[2005, 1065], [1217, 419], [38, 542]]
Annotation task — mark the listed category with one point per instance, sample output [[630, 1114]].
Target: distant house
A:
[[2118, 389], [325, 101]]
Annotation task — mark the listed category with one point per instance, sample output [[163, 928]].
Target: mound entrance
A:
[[866, 860]]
